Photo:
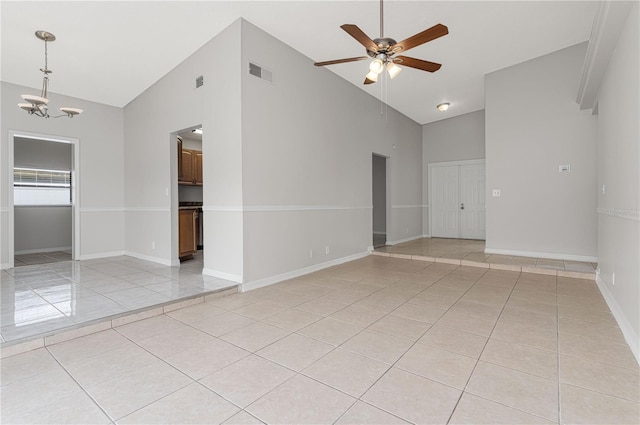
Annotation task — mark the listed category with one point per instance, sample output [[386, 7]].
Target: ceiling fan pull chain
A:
[[381, 20]]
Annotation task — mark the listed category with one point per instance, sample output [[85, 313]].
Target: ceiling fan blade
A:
[[432, 33], [333, 62], [368, 81], [359, 35], [417, 63]]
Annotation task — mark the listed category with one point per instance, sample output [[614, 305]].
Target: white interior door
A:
[[444, 198], [457, 200], [471, 196]]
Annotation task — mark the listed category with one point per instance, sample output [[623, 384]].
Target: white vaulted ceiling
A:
[[111, 51]]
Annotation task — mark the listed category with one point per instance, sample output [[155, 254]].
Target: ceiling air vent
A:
[[199, 81], [260, 72]]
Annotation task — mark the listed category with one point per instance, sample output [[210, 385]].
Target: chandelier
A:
[[39, 105]]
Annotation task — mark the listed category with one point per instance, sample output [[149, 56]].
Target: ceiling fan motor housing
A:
[[384, 46]]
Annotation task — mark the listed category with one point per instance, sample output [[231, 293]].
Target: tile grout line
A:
[[559, 386], [506, 367], [356, 399], [414, 343], [193, 380], [81, 386], [483, 346]]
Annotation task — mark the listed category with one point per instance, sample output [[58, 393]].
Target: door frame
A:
[[386, 197], [174, 191], [431, 165], [75, 188]]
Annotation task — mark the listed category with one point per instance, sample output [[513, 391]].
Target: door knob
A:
[[462, 206]]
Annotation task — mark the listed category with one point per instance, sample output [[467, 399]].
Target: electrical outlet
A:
[[311, 253], [326, 250], [153, 245], [496, 193], [613, 279]]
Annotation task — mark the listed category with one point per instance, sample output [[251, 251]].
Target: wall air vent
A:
[[260, 72], [199, 81]]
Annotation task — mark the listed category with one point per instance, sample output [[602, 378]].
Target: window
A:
[[33, 186]]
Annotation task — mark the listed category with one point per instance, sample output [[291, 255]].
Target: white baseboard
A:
[[409, 239], [627, 330], [547, 255], [379, 233], [426, 236], [158, 260], [299, 272], [37, 251], [101, 255], [223, 275]]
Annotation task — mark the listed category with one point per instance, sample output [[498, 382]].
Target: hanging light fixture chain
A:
[[381, 20], [38, 105]]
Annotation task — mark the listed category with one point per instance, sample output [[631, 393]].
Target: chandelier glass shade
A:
[[39, 105]]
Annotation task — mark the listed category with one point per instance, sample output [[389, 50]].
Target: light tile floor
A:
[[473, 250], [45, 298], [375, 341], [41, 258]]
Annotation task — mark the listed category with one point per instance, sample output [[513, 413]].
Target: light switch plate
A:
[[564, 168], [496, 193]]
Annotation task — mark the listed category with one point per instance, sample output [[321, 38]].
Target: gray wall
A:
[[278, 182], [452, 139], [533, 125], [307, 141], [618, 159], [33, 153], [39, 228], [101, 145], [152, 120]]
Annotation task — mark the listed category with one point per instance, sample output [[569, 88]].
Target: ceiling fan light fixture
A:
[[376, 66], [373, 76], [443, 106], [393, 70]]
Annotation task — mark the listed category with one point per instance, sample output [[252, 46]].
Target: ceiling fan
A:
[[383, 50]]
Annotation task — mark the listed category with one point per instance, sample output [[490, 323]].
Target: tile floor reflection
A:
[[44, 298], [375, 341], [41, 258]]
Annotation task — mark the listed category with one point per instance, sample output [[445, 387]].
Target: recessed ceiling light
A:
[[443, 106]]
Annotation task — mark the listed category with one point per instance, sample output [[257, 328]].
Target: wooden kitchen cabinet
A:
[[187, 232], [190, 169]]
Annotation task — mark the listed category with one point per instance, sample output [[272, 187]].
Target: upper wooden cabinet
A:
[[190, 167]]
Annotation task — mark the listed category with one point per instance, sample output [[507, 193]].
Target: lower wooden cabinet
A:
[[188, 232]]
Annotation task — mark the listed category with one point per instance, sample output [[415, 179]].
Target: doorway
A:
[[457, 199], [188, 245], [43, 219], [379, 199]]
